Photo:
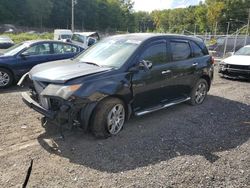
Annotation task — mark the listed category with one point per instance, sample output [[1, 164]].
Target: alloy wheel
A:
[[116, 119], [200, 93], [4, 79]]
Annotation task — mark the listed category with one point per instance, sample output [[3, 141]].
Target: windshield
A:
[[65, 36], [112, 52], [243, 51], [14, 49]]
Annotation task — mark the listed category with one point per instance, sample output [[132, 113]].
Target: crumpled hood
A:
[[62, 71], [238, 60], [3, 57]]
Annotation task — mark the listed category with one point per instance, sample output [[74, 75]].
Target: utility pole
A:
[[225, 47], [248, 23], [74, 2], [206, 37], [195, 29], [215, 32], [235, 40]]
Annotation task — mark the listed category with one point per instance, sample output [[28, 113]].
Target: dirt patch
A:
[[183, 146]]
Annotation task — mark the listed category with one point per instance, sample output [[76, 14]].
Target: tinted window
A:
[[110, 52], [157, 54], [78, 38], [60, 48], [91, 41], [39, 49], [243, 51], [197, 51], [180, 51], [65, 37]]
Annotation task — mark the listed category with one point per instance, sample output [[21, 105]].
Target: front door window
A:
[[39, 49]]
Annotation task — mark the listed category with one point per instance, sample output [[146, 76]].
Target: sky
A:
[[149, 5]]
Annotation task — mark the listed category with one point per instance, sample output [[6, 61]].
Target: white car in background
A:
[[237, 65], [62, 34], [85, 39]]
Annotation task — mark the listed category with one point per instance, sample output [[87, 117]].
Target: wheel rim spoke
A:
[[4, 79], [200, 93], [116, 119]]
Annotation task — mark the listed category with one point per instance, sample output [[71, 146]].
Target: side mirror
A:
[[24, 55], [146, 65], [68, 40], [143, 65]]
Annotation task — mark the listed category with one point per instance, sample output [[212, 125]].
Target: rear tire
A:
[[108, 118], [6, 78], [199, 92]]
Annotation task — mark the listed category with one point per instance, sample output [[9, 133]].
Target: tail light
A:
[[213, 61]]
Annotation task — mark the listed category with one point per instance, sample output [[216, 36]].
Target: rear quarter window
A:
[[197, 50], [60, 48]]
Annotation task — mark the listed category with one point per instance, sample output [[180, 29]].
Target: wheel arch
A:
[[87, 113], [127, 106], [207, 78], [8, 69], [13, 77]]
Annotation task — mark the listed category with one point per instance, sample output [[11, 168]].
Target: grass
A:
[[17, 38]]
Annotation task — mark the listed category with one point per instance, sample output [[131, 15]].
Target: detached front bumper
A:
[[37, 107], [235, 72], [65, 113]]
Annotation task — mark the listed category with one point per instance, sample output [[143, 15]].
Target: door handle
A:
[[195, 64], [166, 72]]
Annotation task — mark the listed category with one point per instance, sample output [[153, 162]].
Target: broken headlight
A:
[[62, 91]]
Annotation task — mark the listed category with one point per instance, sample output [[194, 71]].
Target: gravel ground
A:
[[183, 146]]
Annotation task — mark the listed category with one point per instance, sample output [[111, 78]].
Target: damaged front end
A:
[[55, 101]]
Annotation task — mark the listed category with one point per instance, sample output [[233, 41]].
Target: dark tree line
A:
[[89, 14], [118, 15]]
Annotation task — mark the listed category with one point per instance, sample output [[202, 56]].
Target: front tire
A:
[[6, 78], [199, 92], [108, 118]]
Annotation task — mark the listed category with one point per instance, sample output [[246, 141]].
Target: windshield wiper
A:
[[91, 63]]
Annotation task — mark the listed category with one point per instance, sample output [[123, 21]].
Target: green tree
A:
[[201, 17], [39, 10], [143, 22], [60, 16], [215, 11]]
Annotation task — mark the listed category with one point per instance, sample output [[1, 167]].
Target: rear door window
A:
[[157, 54], [60, 48], [180, 50], [78, 38]]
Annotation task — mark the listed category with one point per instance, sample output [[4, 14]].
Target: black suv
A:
[[120, 76]]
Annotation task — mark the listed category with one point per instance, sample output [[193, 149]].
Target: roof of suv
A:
[[146, 36]]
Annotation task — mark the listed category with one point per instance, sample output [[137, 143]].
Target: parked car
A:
[[62, 34], [237, 65], [120, 76], [85, 39], [232, 42], [5, 42], [19, 59], [8, 28]]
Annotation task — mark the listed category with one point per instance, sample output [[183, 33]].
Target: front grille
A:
[[242, 67], [55, 104], [39, 87]]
